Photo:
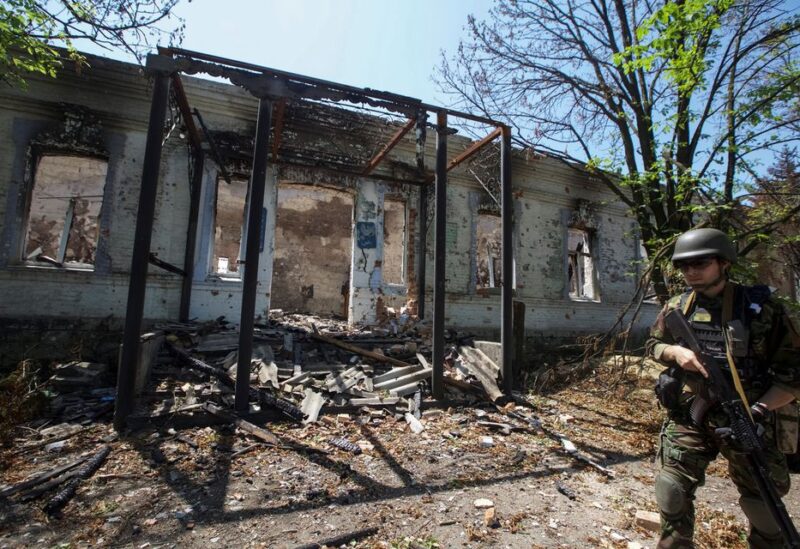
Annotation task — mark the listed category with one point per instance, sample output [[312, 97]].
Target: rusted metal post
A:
[[191, 232], [126, 374], [422, 213], [258, 181], [507, 216], [440, 251]]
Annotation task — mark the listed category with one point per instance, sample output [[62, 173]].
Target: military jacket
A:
[[772, 346]]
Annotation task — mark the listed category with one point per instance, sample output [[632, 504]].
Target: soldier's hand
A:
[[685, 358]]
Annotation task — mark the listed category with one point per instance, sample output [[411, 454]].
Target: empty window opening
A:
[[313, 247], [229, 212], [489, 251], [64, 214], [394, 241], [580, 268]]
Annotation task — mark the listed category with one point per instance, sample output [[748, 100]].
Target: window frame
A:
[[211, 270], [36, 153], [590, 237]]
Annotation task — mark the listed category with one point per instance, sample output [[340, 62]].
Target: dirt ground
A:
[[417, 490]]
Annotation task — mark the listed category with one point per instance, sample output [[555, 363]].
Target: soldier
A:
[[763, 345]]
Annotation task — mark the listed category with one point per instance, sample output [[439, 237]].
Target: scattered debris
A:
[[86, 470], [343, 539], [566, 490], [483, 503], [345, 444], [648, 520]]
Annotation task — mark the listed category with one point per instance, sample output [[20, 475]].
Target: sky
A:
[[390, 45]]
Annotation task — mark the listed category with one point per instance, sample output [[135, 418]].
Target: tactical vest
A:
[[709, 318]]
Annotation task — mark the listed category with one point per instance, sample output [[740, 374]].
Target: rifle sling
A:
[[727, 316]]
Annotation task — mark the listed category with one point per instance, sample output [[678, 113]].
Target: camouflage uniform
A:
[[685, 449]]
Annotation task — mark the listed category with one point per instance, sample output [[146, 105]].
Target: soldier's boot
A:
[[674, 540], [764, 531]]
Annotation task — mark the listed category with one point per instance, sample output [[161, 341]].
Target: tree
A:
[[30, 30], [776, 204], [671, 104]]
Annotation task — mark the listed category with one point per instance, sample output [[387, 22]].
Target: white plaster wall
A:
[[543, 190]]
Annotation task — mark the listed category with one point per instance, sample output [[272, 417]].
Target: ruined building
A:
[[340, 222]]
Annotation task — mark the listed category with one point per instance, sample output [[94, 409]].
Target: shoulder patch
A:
[[757, 294]]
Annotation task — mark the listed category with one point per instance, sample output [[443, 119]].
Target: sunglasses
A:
[[696, 264]]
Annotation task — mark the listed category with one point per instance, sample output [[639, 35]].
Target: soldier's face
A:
[[702, 273]]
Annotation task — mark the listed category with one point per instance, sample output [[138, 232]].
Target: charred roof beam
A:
[[399, 134]]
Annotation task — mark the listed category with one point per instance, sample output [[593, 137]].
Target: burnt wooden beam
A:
[[378, 158], [359, 350], [186, 112], [160, 263], [470, 151], [280, 113]]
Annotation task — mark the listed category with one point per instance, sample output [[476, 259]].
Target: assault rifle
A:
[[717, 389]]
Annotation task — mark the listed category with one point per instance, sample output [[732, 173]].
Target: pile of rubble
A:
[[305, 366]]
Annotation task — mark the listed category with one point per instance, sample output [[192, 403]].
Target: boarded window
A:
[[580, 268], [63, 220], [229, 212], [489, 251], [394, 241]]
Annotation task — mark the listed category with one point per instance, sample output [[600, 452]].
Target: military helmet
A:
[[703, 243]]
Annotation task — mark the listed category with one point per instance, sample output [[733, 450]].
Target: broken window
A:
[[229, 211], [394, 241], [580, 267], [64, 214], [313, 249], [489, 251]]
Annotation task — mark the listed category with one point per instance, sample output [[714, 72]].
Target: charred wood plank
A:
[[40, 478], [267, 437], [62, 498], [342, 539], [359, 350]]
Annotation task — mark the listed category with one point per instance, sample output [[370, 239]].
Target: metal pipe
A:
[[129, 359], [422, 214], [258, 181], [191, 232], [507, 217], [437, 385]]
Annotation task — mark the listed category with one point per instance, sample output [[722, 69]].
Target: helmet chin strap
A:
[[703, 288]]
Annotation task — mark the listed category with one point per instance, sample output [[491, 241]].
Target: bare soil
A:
[[418, 490]]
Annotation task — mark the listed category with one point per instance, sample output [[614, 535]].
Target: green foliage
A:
[[30, 31], [18, 19], [677, 33]]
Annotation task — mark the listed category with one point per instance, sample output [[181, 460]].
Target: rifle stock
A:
[[718, 390]]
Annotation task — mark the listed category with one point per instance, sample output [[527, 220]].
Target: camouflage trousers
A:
[[684, 453]]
